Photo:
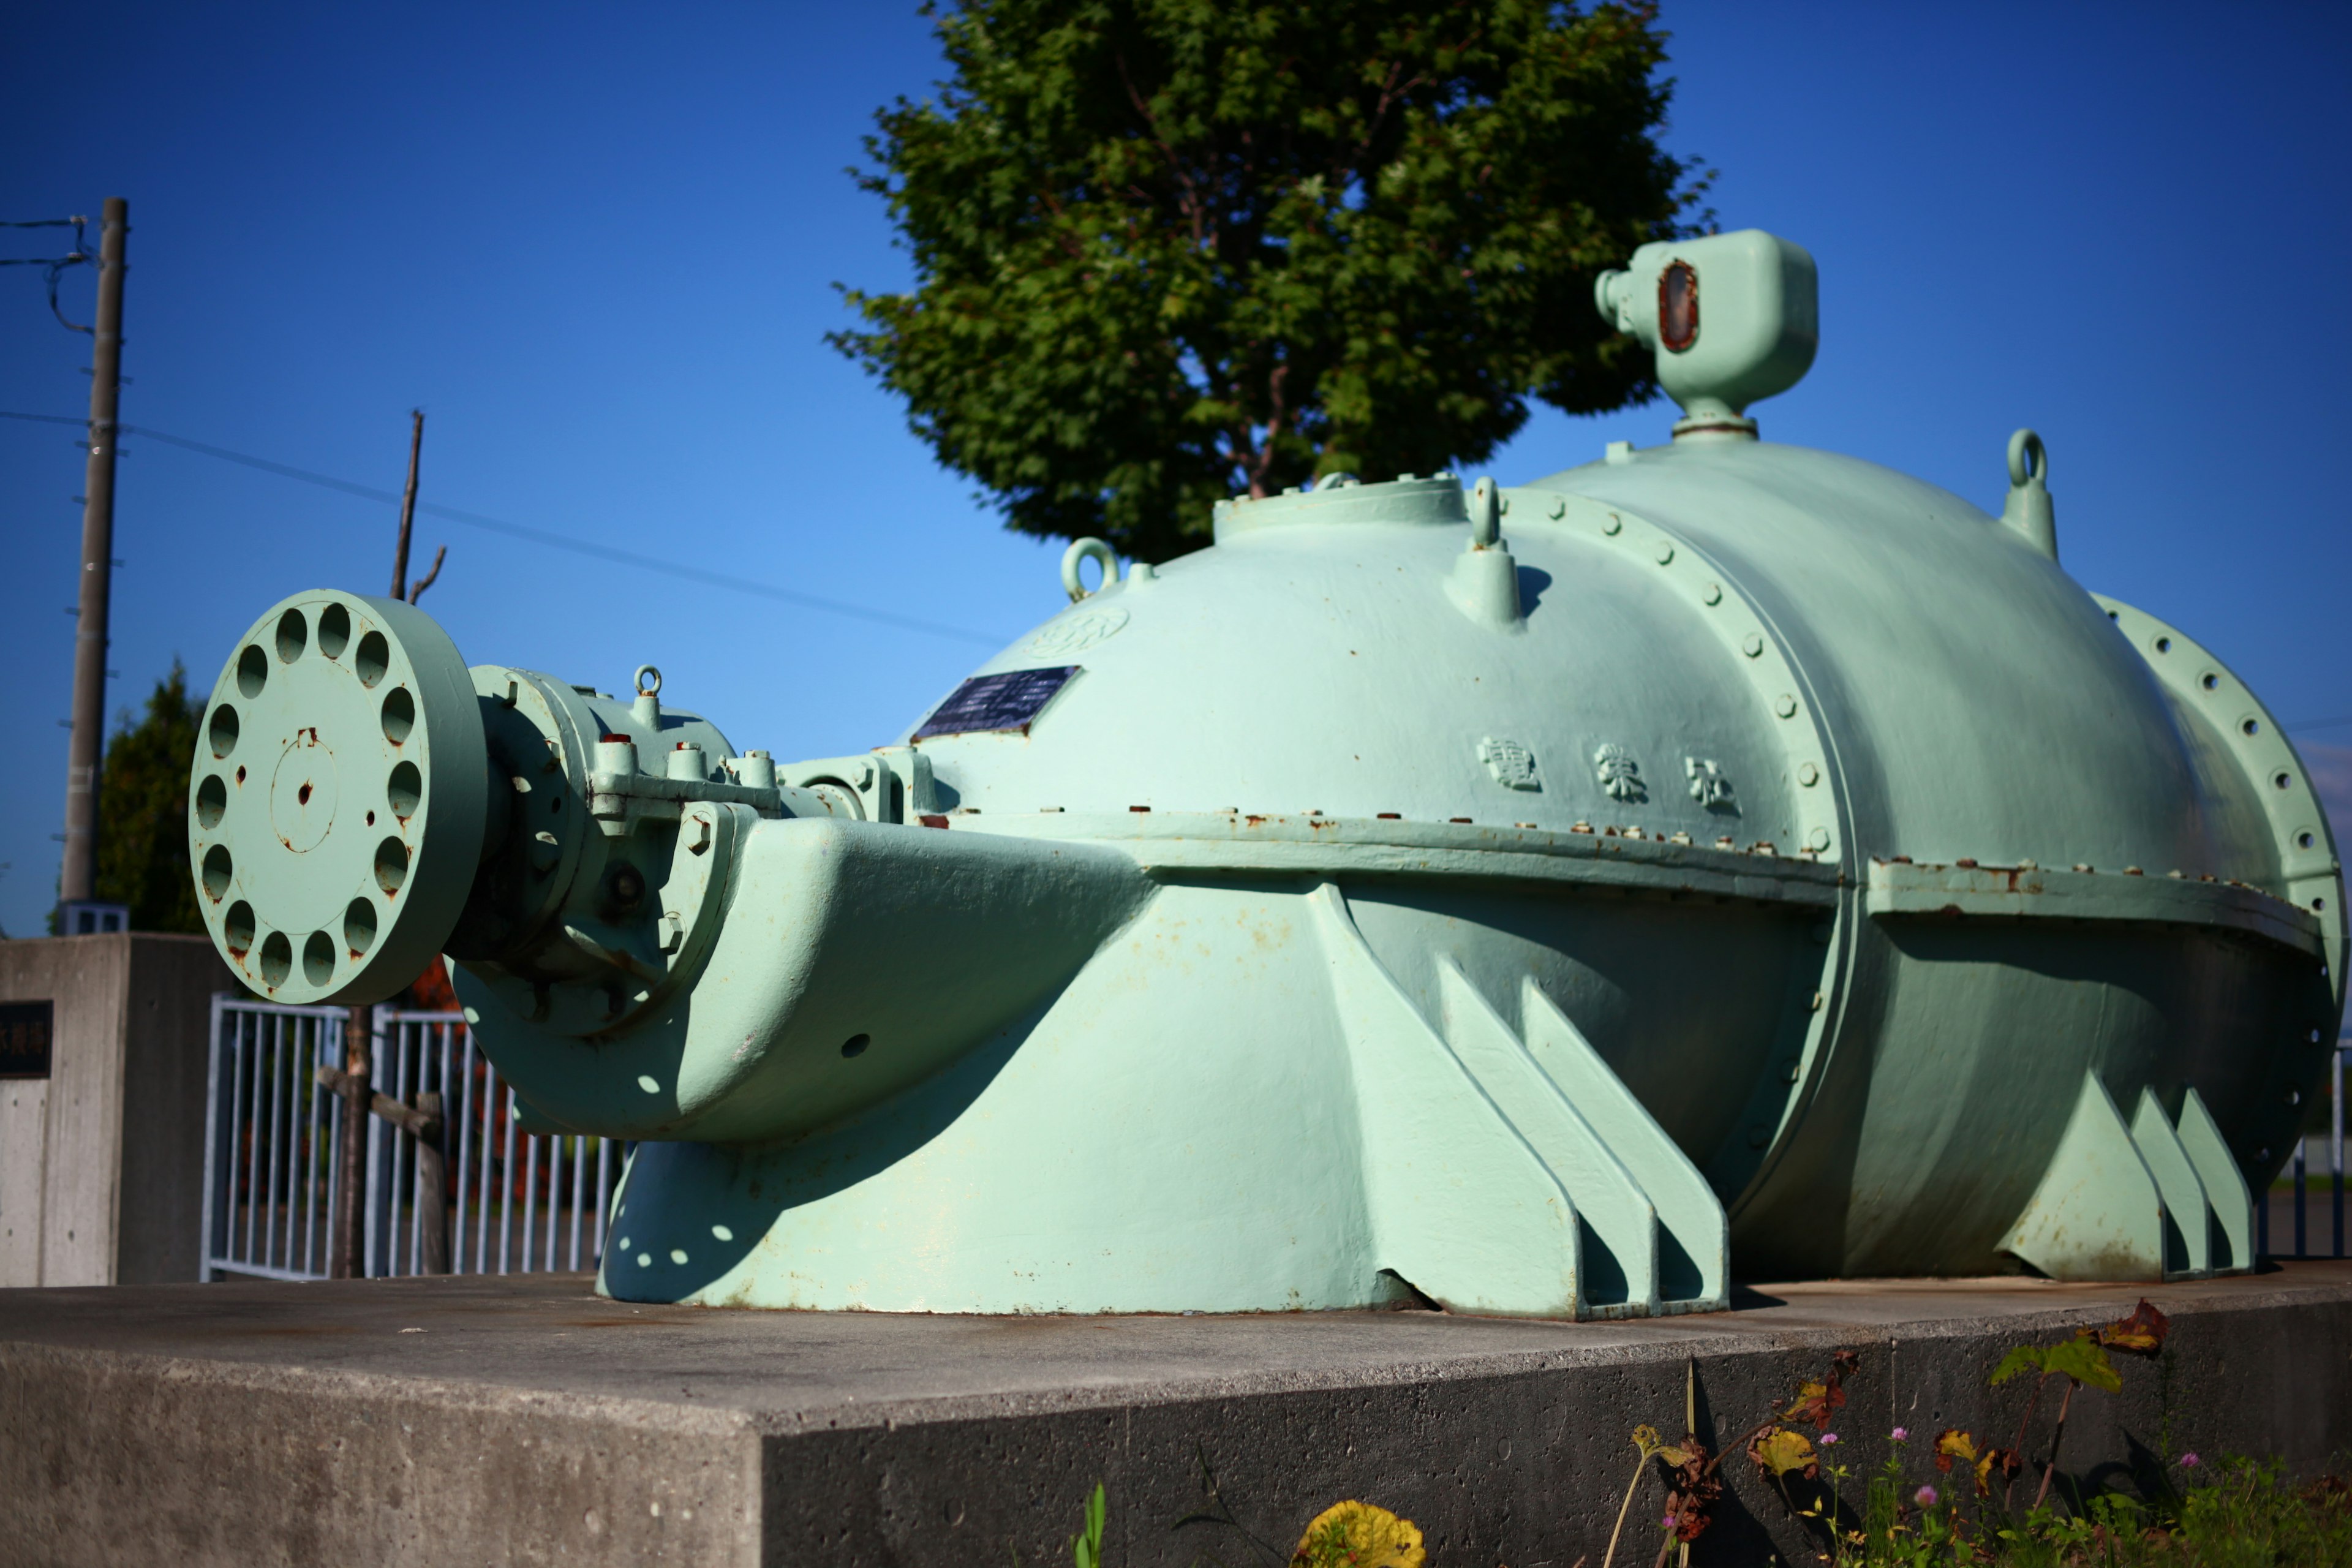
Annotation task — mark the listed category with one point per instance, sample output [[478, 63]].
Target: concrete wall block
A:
[[101, 1168], [518, 1420]]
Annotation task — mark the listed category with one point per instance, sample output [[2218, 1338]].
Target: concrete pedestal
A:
[[525, 1420], [101, 1159]]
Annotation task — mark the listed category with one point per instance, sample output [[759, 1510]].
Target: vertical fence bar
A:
[[565, 1152], [479, 1143], [458, 1101], [311, 1162], [327, 1050], [444, 1042], [403, 1149], [559, 1148], [579, 1196], [487, 1160], [251, 1099], [2299, 1140], [212, 1143], [281, 1109], [529, 1188], [603, 1196], [2335, 1140], [506, 1181], [334, 1142]]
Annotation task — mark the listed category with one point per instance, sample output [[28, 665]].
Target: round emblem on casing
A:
[[302, 795], [1084, 630]]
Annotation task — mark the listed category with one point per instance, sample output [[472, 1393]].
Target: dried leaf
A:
[[1359, 1535], [2142, 1334], [1817, 1402], [1783, 1449], [1952, 1444], [2003, 1460], [1692, 1488]]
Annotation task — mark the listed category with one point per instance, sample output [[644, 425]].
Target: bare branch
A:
[[427, 580]]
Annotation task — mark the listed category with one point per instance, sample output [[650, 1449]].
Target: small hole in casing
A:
[[855, 1045]]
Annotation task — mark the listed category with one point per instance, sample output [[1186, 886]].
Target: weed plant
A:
[[1954, 1506]]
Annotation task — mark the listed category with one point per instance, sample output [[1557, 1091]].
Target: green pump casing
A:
[[1536, 899]]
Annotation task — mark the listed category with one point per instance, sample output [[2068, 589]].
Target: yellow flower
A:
[[1357, 1535]]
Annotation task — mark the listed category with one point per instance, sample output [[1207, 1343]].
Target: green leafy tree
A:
[[142, 810], [1167, 251]]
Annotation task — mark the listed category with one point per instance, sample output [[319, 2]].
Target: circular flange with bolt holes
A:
[[338, 802]]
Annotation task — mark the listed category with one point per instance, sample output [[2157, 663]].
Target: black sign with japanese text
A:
[[26, 1028], [1011, 701]]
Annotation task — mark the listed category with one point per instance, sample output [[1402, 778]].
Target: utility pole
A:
[[80, 876]]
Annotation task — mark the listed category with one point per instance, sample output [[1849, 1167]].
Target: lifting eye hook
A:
[[1078, 552]]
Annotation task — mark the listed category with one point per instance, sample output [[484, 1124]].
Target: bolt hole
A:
[[371, 821], [2164, 645], [2209, 680], [403, 790], [2282, 781], [222, 731], [391, 865], [218, 868], [2319, 903], [212, 802], [237, 928], [359, 926], [293, 636], [252, 670], [2304, 840], [399, 715], [855, 1045], [319, 958], [334, 630], [277, 959], [372, 660], [302, 795], [2250, 727], [240, 773]]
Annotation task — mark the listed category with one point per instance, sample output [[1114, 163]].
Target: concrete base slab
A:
[[526, 1420]]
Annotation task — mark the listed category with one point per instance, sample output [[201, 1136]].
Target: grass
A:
[[2248, 1515]]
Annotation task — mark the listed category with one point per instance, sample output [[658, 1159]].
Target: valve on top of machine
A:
[[1733, 318]]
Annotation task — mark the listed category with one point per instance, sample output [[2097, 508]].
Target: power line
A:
[[56, 264], [551, 540]]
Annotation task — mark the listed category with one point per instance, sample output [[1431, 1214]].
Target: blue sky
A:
[[598, 245]]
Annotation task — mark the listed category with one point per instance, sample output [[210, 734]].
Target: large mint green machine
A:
[[1543, 900]]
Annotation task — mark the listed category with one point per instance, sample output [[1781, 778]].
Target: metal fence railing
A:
[[2292, 1197], [510, 1201], [516, 1202]]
